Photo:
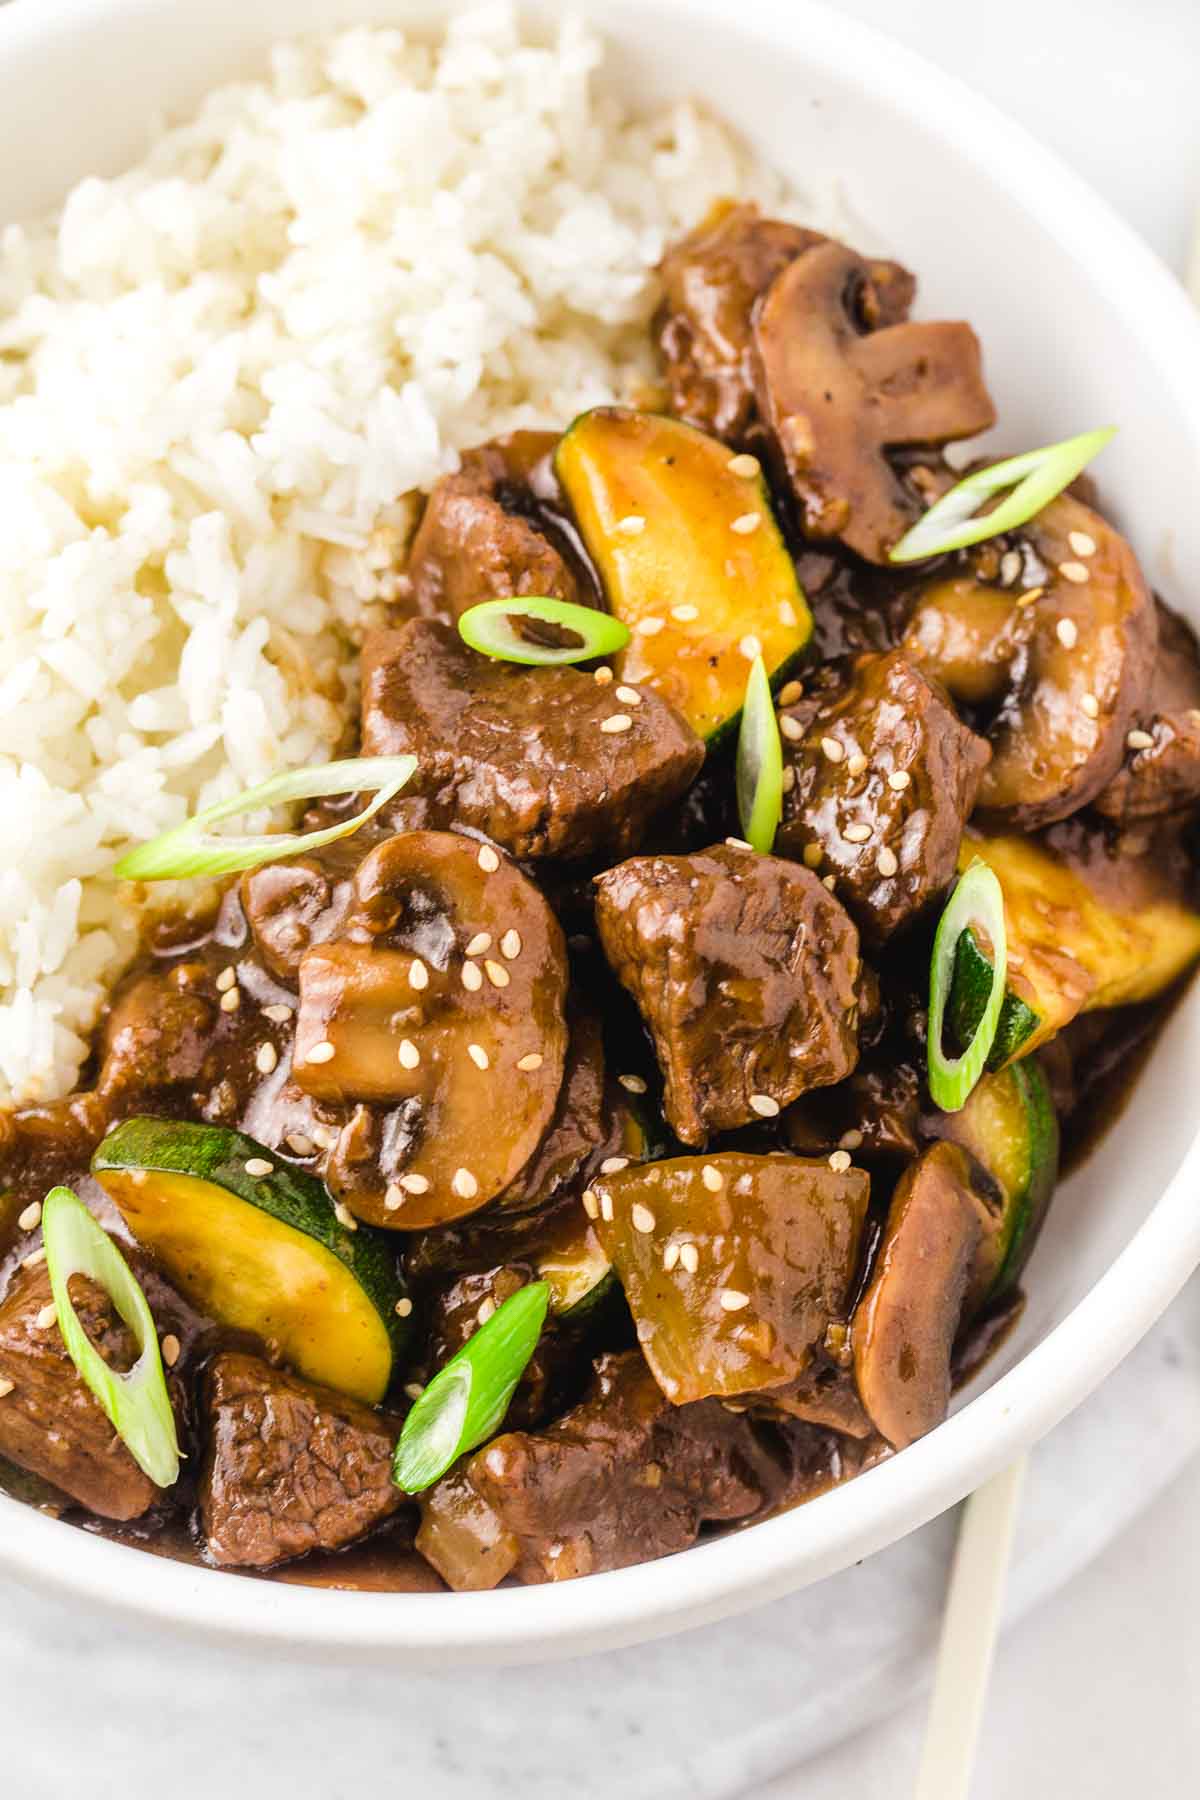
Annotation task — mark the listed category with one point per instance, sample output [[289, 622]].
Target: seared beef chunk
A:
[[885, 777], [876, 1113], [1160, 776], [622, 1478], [290, 1467], [837, 395], [49, 1422], [159, 1033], [475, 541], [745, 969], [521, 753], [734, 1266], [581, 1124], [905, 1324], [712, 279]]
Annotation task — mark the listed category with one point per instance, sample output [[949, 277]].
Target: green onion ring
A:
[[188, 849], [978, 899], [1036, 478], [468, 1398], [137, 1403], [490, 629], [759, 763]]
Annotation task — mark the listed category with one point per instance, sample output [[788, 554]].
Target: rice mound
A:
[[224, 377]]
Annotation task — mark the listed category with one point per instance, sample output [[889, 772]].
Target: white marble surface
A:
[[1091, 1694]]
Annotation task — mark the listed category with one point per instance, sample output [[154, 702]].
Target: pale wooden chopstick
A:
[[969, 1626]]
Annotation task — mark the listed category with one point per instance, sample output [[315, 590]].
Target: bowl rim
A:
[[765, 1561]]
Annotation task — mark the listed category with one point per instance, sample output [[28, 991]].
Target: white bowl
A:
[[1081, 326]]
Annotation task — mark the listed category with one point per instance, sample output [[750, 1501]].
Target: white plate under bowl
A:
[[1081, 326]]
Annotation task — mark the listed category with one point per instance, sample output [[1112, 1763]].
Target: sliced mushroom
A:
[[1067, 670], [433, 1030], [836, 398], [905, 1325], [1160, 778]]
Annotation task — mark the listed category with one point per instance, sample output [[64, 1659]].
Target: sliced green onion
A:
[[759, 763], [466, 1400], [530, 629], [189, 849], [977, 900], [137, 1402], [1035, 478]]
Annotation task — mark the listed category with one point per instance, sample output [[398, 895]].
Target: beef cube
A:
[[746, 971], [520, 753], [290, 1467]]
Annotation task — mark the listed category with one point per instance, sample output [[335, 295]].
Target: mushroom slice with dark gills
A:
[[836, 397], [1065, 665], [432, 1030]]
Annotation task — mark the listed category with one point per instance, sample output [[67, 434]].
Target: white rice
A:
[[223, 378]]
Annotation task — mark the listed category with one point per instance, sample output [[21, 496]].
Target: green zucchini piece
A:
[[970, 987], [1011, 1129], [663, 512], [257, 1245], [577, 1269]]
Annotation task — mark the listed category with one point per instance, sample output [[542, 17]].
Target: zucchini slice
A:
[[674, 529], [577, 1268], [1010, 1127], [1069, 949], [256, 1245]]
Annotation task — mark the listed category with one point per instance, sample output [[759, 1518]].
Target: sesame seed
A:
[[464, 1184], [297, 1141], [738, 844], [898, 780], [488, 859], [744, 464], [265, 1058], [591, 1204], [496, 972], [750, 646], [612, 1165], [1090, 705], [764, 1106], [685, 613], [1139, 740], [856, 834], [170, 1349], [670, 1257], [226, 979], [606, 1208], [616, 722], [829, 881], [832, 749], [1081, 543], [1030, 595], [403, 1307], [6, 1387], [278, 1015], [31, 1218], [641, 1217], [472, 977], [1067, 633], [478, 1055], [408, 1053], [689, 1257], [851, 1140], [791, 729], [415, 1184], [1074, 571], [733, 1300], [479, 943], [788, 779], [813, 854], [747, 523], [629, 695], [487, 1307], [393, 1198], [789, 693], [632, 525], [418, 974], [787, 613], [414, 1389], [35, 1259], [886, 862], [47, 1317], [1010, 567], [320, 1053], [258, 1166], [324, 1137], [712, 1178], [232, 1000], [603, 675], [527, 1064], [856, 764], [648, 627], [839, 1162], [633, 1084]]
